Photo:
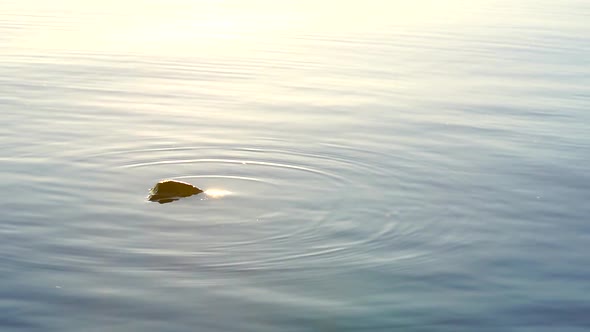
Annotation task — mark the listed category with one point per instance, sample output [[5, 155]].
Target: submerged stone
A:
[[167, 191]]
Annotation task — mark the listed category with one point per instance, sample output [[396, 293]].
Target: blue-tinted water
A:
[[387, 166]]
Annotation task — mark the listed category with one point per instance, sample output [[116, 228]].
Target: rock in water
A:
[[167, 191]]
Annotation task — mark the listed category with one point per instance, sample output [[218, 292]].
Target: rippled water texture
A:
[[367, 165]]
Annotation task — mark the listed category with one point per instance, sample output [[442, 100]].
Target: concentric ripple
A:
[[280, 210]]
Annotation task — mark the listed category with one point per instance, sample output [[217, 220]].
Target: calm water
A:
[[388, 165]]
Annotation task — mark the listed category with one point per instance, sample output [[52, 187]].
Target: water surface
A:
[[385, 166]]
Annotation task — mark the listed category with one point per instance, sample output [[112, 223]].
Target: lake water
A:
[[379, 165]]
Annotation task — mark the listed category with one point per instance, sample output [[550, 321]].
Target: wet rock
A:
[[167, 191]]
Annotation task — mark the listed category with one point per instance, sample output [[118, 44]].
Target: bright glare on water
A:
[[375, 165]]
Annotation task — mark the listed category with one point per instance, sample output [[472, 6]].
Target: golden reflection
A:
[[167, 191]]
